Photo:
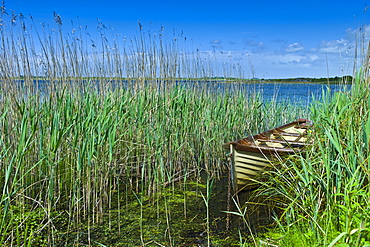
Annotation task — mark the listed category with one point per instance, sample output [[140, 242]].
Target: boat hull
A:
[[246, 166], [250, 156]]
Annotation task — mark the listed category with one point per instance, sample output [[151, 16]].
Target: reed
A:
[[91, 126], [324, 195]]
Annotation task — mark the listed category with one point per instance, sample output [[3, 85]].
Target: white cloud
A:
[[256, 46], [278, 58], [335, 46], [215, 42], [353, 39], [294, 47]]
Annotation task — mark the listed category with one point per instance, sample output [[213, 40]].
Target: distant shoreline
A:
[[304, 80]]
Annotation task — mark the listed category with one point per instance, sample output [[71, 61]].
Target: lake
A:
[[297, 93]]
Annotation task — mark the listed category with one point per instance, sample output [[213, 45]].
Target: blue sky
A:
[[267, 39]]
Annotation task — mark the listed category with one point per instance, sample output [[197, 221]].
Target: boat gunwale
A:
[[301, 123]]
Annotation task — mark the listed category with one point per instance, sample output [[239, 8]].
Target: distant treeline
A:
[[346, 79], [332, 80]]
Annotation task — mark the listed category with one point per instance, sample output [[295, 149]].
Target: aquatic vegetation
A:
[[105, 138], [118, 142], [324, 197]]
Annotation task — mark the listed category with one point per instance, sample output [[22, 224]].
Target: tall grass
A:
[[87, 126], [324, 196]]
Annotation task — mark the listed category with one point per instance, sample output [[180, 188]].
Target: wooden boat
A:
[[253, 154]]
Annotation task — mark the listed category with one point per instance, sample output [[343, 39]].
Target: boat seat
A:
[[284, 142], [286, 134]]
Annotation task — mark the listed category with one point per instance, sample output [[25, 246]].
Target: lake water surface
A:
[[298, 93]]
